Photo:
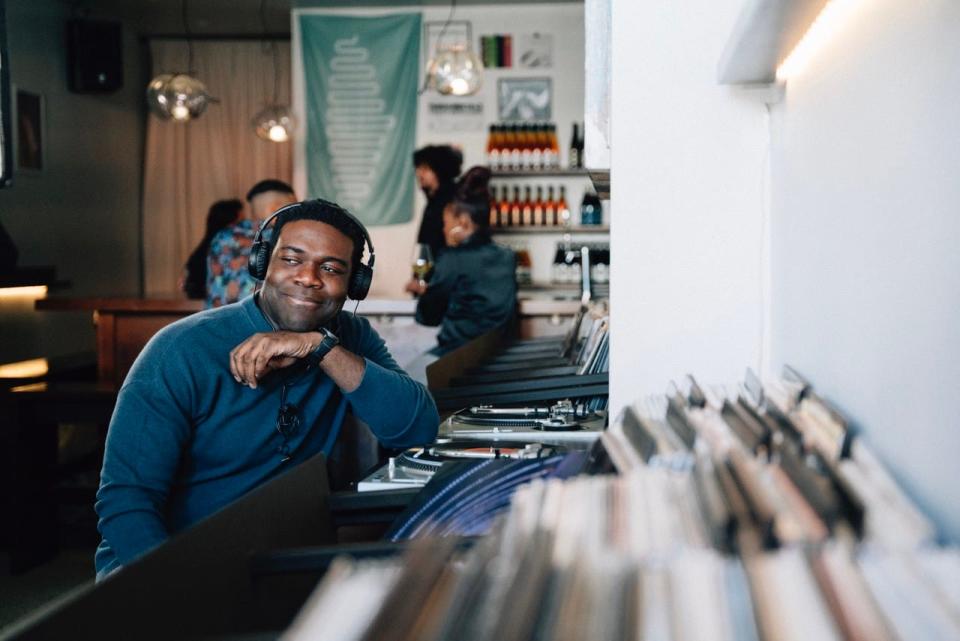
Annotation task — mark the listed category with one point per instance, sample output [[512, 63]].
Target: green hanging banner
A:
[[360, 85]]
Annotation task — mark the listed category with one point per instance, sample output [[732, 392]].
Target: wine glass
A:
[[422, 262]]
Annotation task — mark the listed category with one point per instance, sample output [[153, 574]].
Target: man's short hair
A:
[[270, 184], [444, 160], [333, 214]]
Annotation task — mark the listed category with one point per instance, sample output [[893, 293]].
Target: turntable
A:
[[564, 422], [487, 432], [416, 466]]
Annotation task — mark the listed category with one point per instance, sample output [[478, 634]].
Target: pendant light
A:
[[179, 97], [275, 122], [454, 70]]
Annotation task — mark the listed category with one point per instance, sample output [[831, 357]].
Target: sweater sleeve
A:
[[399, 411], [432, 305], [148, 433]]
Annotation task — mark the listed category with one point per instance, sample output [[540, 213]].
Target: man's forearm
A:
[[344, 367], [399, 411]]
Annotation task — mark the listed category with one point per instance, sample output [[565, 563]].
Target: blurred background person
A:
[[437, 168], [473, 288], [227, 277], [221, 214]]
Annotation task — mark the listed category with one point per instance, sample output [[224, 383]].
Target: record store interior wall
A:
[[563, 21], [80, 211], [866, 228], [688, 157]]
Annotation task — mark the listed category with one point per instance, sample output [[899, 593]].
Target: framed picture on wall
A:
[[524, 99], [30, 132], [535, 50]]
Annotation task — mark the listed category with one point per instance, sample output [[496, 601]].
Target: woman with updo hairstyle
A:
[[473, 288]]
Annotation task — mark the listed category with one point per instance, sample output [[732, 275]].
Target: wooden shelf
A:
[[578, 229]]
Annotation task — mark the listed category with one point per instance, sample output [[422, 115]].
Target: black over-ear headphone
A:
[[362, 274]]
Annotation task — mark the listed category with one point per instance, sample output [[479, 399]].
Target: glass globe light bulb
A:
[[275, 123], [456, 71], [156, 100], [177, 96]]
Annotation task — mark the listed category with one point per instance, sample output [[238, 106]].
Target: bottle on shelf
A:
[[539, 147], [516, 148], [563, 210], [526, 217], [516, 212], [526, 147], [559, 268], [573, 159], [554, 153], [494, 208], [600, 263], [538, 208], [591, 210], [570, 270], [503, 220], [493, 151], [507, 139], [580, 143], [550, 209]]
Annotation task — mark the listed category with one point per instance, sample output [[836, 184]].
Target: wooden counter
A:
[[124, 325]]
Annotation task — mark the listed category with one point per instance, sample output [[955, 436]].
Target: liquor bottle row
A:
[[568, 258], [523, 147], [512, 210]]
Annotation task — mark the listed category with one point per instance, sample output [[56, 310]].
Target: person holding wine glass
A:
[[473, 287], [422, 264]]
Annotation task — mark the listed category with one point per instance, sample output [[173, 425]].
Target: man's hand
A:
[[262, 353]]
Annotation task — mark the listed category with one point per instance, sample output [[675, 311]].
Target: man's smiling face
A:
[[308, 275]]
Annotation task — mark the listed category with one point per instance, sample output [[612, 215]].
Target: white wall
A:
[[866, 229], [81, 213], [565, 20], [688, 165]]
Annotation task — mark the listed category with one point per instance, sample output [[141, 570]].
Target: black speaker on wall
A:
[[94, 55]]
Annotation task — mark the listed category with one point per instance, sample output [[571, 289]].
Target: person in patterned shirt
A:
[[227, 277]]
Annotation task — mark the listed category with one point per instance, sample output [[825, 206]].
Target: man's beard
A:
[[287, 317]]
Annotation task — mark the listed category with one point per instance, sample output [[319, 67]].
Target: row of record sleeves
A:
[[749, 512]]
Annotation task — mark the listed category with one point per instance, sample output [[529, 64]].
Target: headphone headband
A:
[[356, 221]]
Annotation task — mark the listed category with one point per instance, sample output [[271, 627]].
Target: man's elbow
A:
[[422, 430]]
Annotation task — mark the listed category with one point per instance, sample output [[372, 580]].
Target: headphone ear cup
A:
[[360, 283], [259, 259]]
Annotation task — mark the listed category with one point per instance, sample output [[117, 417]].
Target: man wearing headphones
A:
[[221, 401]]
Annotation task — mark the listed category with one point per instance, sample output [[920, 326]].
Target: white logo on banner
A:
[[356, 122]]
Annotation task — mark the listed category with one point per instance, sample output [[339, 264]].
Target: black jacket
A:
[[473, 289], [431, 227]]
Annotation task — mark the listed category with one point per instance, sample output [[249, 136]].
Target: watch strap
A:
[[329, 341]]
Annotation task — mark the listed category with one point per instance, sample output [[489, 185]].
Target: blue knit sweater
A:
[[186, 439]]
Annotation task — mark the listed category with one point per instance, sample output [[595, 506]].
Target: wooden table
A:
[[124, 325]]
